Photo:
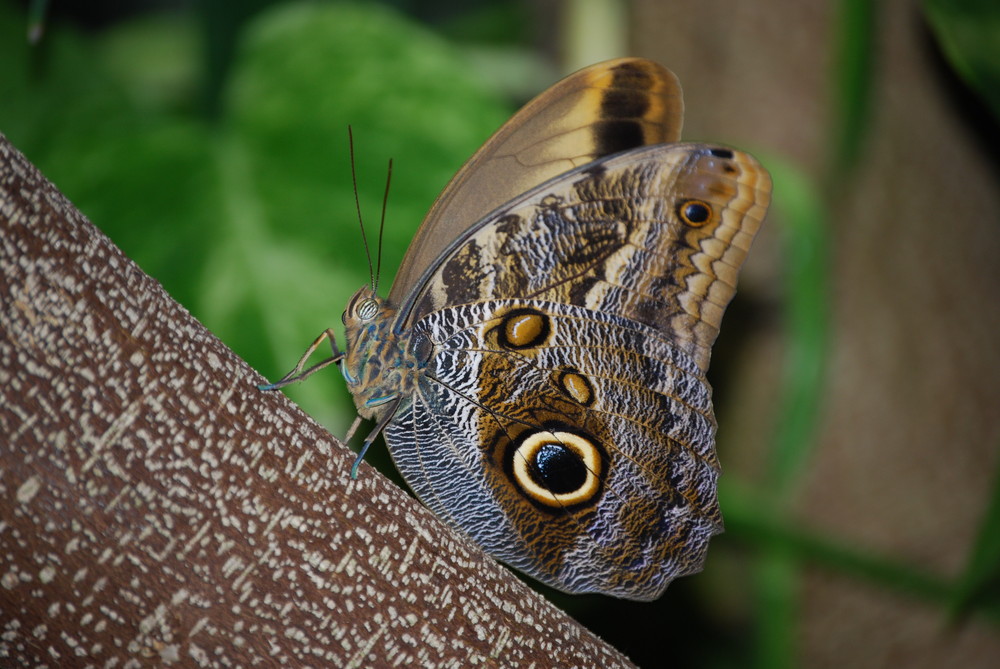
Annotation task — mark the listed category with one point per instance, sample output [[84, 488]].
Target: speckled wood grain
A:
[[538, 369]]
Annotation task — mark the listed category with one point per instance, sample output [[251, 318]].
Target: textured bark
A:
[[156, 508]]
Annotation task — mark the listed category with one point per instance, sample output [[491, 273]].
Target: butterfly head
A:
[[364, 307]]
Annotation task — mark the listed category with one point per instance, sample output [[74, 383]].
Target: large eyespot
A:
[[557, 469], [695, 213], [523, 328]]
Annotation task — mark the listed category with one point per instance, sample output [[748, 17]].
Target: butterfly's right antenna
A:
[[37, 11], [357, 204]]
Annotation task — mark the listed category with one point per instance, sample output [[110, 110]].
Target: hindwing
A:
[[574, 445]]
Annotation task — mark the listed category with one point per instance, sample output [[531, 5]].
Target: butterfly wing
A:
[[656, 235], [600, 110], [594, 472], [562, 418]]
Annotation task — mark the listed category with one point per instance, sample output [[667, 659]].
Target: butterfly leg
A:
[[374, 433], [297, 374]]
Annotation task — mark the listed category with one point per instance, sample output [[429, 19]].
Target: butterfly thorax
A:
[[378, 364]]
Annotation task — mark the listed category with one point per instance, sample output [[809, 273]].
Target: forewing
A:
[[656, 235], [603, 109]]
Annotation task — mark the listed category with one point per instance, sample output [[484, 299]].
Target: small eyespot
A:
[[522, 329], [575, 386], [695, 213]]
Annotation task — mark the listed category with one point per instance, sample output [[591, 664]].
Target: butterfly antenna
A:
[[381, 228], [357, 205], [37, 11]]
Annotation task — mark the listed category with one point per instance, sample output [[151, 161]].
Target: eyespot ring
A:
[[695, 213], [528, 473]]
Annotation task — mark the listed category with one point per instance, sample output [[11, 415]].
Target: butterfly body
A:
[[538, 369], [378, 363]]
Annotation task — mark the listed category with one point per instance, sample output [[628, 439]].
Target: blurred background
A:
[[857, 376]]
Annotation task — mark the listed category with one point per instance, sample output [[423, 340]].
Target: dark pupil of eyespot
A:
[[558, 469], [696, 213]]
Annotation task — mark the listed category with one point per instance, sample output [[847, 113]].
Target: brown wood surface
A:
[[157, 509]]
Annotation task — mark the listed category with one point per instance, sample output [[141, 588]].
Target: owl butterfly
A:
[[538, 369]]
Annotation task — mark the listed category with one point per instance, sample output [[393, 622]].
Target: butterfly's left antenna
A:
[[357, 204], [381, 229]]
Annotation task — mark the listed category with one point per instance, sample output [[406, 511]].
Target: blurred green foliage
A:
[[969, 34], [248, 219]]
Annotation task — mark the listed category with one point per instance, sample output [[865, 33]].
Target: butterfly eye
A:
[[694, 212], [367, 309]]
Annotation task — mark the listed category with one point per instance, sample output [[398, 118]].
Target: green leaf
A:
[[305, 74], [979, 584], [855, 65], [799, 207], [969, 34], [292, 252], [251, 222], [141, 174]]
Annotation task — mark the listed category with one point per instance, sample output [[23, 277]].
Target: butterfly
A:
[[538, 368]]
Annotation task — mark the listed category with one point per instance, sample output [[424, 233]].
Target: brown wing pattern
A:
[[546, 363], [656, 235], [636, 510], [603, 109]]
